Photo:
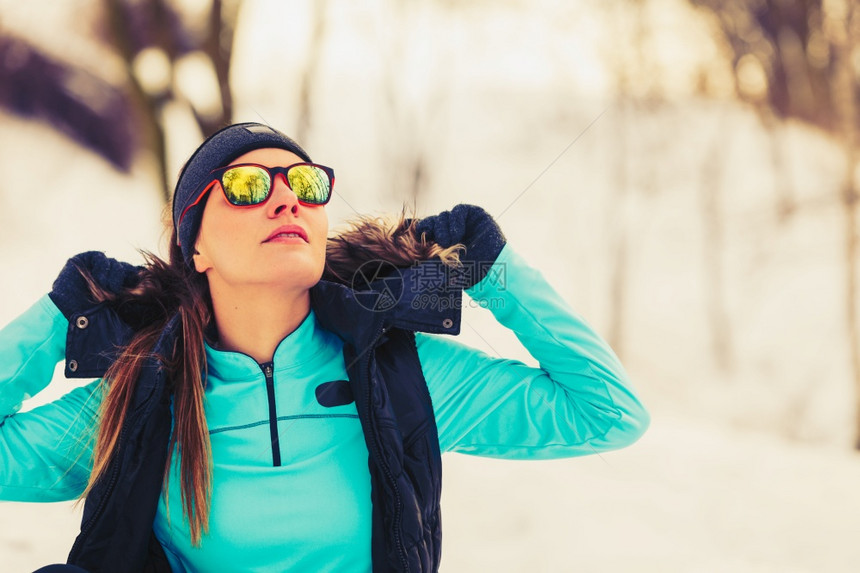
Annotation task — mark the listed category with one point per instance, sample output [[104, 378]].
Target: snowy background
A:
[[748, 465]]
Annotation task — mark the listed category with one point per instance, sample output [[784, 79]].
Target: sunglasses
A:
[[250, 184]]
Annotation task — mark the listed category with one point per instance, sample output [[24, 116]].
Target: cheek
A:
[[218, 233], [321, 251], [322, 232]]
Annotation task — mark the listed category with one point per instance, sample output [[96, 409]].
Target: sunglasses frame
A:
[[218, 175]]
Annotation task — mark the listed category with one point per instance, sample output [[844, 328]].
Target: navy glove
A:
[[71, 293], [473, 227]]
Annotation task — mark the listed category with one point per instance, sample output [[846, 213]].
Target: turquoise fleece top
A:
[[313, 512]]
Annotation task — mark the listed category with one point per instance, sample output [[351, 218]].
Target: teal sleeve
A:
[[45, 453], [30, 348], [578, 401]]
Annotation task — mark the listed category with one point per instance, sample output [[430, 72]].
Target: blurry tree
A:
[[311, 70], [783, 53], [638, 92], [414, 90], [621, 66], [173, 52], [74, 100], [172, 55], [800, 60], [713, 224]]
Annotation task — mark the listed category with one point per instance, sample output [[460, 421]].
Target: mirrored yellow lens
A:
[[246, 185], [310, 184]]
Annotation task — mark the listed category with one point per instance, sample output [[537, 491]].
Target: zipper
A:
[[268, 371], [398, 505]]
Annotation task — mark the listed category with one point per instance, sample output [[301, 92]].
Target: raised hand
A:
[[71, 292], [472, 227]]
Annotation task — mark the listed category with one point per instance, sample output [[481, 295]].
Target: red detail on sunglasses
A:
[[273, 173]]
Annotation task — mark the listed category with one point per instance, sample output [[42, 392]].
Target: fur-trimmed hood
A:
[[392, 239]]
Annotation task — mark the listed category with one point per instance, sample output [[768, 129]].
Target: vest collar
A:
[[411, 298]]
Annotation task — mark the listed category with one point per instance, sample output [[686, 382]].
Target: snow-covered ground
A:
[[691, 496], [747, 468]]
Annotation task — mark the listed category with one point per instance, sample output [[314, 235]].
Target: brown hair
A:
[[166, 289], [170, 288], [391, 238]]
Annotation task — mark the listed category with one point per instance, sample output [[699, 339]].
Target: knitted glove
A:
[[473, 227], [71, 293]]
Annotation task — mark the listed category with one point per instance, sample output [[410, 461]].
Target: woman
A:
[[273, 399]]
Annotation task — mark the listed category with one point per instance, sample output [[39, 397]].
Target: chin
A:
[[298, 275]]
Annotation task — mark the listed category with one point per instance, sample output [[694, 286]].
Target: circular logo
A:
[[378, 285]]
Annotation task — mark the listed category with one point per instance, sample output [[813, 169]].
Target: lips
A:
[[288, 229]]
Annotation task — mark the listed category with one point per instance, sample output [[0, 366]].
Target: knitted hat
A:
[[218, 150]]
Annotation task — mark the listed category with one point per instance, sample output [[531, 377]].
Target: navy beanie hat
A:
[[218, 150]]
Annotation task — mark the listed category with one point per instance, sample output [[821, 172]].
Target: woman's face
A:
[[239, 245]]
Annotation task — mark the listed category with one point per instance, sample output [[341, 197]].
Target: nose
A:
[[282, 198]]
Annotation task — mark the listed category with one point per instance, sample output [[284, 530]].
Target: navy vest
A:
[[377, 324]]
